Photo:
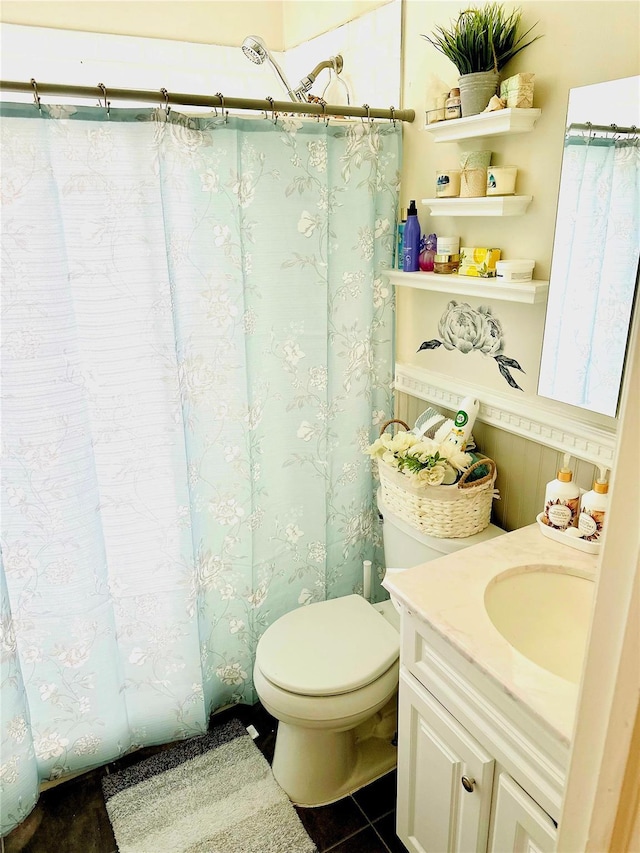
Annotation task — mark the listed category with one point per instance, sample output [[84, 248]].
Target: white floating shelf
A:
[[485, 124], [500, 205], [529, 292]]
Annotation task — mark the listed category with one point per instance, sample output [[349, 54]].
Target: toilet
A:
[[328, 672]]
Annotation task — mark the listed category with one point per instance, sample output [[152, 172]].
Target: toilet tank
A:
[[404, 546]]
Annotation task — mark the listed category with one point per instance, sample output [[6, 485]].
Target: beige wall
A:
[[305, 20], [282, 23], [582, 43], [224, 23]]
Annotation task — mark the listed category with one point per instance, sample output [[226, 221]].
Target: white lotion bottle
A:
[[562, 500], [593, 508]]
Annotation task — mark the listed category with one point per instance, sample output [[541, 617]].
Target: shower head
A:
[[255, 49]]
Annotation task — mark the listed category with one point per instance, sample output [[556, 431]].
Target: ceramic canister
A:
[[448, 183], [447, 245], [501, 180]]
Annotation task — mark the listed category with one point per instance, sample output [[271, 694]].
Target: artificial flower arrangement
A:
[[427, 461]]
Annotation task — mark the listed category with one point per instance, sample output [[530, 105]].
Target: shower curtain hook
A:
[[368, 109], [225, 116], [36, 96], [274, 115], [107, 104], [325, 117], [167, 108], [392, 117]]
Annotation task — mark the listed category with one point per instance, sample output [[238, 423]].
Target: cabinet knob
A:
[[468, 784]]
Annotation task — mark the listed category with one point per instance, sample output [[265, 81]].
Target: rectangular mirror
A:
[[594, 268]]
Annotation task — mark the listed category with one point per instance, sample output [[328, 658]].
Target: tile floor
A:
[[72, 818]]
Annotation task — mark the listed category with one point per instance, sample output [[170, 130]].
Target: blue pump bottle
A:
[[411, 240]]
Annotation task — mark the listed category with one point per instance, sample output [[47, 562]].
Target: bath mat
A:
[[211, 794]]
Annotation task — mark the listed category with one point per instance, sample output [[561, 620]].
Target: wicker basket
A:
[[446, 512]]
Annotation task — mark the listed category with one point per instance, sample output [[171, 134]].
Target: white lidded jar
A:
[[561, 501], [593, 508]]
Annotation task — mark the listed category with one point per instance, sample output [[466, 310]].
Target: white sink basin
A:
[[544, 612]]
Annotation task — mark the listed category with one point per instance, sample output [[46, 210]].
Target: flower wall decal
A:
[[466, 329]]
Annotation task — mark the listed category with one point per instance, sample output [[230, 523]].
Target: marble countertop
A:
[[448, 594]]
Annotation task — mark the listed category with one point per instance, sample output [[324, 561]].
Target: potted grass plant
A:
[[480, 42]]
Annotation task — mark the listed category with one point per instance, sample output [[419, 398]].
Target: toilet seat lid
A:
[[328, 648]]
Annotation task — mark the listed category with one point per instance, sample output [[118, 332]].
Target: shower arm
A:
[[334, 62]]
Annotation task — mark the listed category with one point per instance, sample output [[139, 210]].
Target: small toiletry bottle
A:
[[593, 508], [400, 238], [411, 242], [452, 107], [561, 501], [428, 253]]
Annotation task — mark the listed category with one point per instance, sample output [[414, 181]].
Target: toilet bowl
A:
[[328, 672]]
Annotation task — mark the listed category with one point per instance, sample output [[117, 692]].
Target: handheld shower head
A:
[[255, 49]]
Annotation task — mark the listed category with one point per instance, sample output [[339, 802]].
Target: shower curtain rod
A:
[[603, 128], [170, 99]]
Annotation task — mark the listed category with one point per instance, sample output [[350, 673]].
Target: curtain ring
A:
[[225, 116], [167, 108], [368, 109], [274, 115], [36, 96], [324, 113], [392, 118], [107, 104]]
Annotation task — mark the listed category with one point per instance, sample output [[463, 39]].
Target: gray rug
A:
[[211, 794]]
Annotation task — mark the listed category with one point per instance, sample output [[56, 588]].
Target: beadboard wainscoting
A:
[[524, 466]]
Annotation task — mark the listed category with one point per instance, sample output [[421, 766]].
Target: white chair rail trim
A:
[[534, 420]]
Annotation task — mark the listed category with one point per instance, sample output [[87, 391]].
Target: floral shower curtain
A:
[[197, 347], [595, 265]]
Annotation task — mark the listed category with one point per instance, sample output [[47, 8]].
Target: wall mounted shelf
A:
[[495, 123], [528, 292], [500, 205]]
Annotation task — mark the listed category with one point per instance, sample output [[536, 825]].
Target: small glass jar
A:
[[446, 264], [452, 107]]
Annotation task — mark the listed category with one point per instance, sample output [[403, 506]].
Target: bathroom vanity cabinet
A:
[[476, 772]]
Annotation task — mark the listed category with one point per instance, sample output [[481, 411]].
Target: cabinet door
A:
[[519, 824], [437, 757]]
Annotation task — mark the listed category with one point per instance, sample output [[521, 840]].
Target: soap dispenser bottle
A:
[[593, 508], [562, 499], [411, 241]]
